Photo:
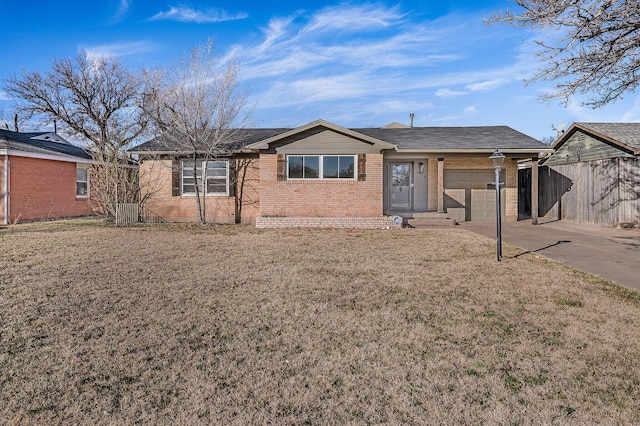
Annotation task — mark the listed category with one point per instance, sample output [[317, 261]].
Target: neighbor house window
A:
[[82, 181], [321, 166], [216, 181]]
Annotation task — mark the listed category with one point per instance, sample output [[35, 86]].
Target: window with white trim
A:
[[321, 167], [82, 181], [216, 180]]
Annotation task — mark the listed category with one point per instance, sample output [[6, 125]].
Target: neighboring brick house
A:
[[42, 176], [328, 174]]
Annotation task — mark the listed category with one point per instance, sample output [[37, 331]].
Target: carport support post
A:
[[497, 159], [534, 192]]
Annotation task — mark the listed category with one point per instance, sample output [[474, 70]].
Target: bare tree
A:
[[244, 184], [596, 50], [548, 140], [201, 109], [16, 121], [99, 100]]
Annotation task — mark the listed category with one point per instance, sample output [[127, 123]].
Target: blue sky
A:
[[357, 64]]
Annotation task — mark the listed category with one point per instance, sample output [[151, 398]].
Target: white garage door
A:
[[478, 203]]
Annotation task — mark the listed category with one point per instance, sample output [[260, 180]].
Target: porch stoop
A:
[[428, 219]]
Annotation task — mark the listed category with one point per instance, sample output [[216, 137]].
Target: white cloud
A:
[[623, 110], [302, 91], [487, 85], [186, 14], [4, 96], [365, 17], [454, 118], [631, 115], [116, 49], [123, 8], [470, 110], [446, 93], [393, 64], [301, 43], [276, 30]]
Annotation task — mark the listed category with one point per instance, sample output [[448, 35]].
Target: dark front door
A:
[[524, 194], [401, 187]]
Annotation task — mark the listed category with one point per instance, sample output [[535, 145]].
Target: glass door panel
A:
[[401, 186]]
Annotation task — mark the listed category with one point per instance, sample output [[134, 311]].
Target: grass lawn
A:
[[233, 325]]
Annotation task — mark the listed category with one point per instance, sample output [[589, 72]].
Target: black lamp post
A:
[[497, 159]]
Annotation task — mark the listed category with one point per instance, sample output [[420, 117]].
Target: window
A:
[[321, 167], [216, 180], [82, 181], [304, 167], [342, 167]]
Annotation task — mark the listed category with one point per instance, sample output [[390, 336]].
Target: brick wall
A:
[[44, 189], [381, 222], [320, 198], [155, 178], [266, 196], [3, 214], [432, 190], [482, 163]]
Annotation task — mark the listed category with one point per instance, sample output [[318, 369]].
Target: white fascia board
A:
[[54, 157], [134, 152], [474, 151], [189, 153]]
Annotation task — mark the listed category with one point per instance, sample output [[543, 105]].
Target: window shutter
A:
[[175, 177], [362, 167], [233, 177], [282, 166]]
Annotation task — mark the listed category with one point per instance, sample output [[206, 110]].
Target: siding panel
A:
[[582, 147], [601, 192], [328, 142]]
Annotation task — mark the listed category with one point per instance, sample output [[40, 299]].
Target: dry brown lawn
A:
[[232, 325]]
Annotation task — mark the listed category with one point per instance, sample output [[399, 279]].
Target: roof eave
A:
[[46, 156], [577, 126], [264, 144], [143, 152], [475, 151]]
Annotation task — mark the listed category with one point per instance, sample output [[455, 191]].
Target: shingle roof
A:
[[455, 138], [410, 138], [245, 137], [626, 133], [40, 143]]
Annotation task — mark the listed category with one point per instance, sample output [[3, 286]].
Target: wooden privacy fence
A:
[[127, 213], [603, 192]]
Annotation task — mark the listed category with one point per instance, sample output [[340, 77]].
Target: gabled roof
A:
[[395, 125], [46, 143], [474, 139], [377, 143], [625, 136]]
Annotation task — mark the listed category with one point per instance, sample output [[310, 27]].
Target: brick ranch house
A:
[[42, 176], [322, 174]]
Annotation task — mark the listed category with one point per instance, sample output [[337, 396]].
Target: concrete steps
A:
[[430, 219]]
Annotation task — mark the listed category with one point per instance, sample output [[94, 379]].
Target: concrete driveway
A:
[[610, 253]]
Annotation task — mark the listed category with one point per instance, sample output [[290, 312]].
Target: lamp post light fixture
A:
[[497, 160]]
